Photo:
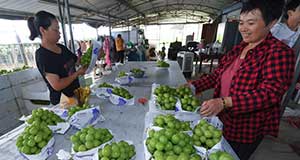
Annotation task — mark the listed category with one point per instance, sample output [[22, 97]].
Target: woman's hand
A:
[[211, 107], [81, 71]]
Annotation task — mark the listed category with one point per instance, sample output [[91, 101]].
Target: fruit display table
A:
[[171, 76], [125, 122]]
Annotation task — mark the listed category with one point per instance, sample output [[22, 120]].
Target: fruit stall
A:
[[131, 117]]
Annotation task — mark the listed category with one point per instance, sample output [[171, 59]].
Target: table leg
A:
[[200, 65], [211, 64]]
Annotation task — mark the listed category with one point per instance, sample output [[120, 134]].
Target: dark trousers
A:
[[245, 150], [120, 56]]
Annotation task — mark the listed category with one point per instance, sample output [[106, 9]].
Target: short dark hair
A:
[[270, 9], [291, 5], [119, 35], [41, 19]]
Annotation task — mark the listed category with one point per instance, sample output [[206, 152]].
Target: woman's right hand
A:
[[81, 71]]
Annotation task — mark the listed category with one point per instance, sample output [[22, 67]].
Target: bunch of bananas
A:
[[82, 94]]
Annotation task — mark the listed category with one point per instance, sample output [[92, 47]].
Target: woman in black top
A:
[[55, 62]]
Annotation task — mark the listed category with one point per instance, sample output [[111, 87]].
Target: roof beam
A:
[[81, 8], [130, 6], [171, 7], [195, 4], [168, 23], [212, 11]]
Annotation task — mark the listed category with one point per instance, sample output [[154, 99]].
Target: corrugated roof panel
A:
[[98, 10]]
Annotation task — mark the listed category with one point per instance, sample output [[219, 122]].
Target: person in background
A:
[[78, 49], [288, 31], [55, 62], [216, 47], [163, 48], [83, 46], [141, 51], [201, 44], [106, 48], [88, 44], [250, 80], [113, 51], [77, 46], [120, 48], [151, 55], [146, 44]]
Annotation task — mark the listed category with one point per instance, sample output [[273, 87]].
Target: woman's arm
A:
[[61, 83]]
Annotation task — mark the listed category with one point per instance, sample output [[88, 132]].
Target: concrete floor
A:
[[271, 148]]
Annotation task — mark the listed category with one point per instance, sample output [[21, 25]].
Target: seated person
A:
[[151, 55], [132, 54]]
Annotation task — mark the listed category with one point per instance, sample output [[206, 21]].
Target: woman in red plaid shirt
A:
[[250, 80]]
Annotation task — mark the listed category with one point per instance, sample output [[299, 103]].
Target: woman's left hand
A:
[[211, 107]]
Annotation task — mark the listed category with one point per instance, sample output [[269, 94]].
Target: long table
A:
[[126, 123]]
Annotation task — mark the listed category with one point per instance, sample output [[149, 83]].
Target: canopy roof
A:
[[121, 12]]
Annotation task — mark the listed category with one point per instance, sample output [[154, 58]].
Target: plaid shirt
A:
[[256, 89]]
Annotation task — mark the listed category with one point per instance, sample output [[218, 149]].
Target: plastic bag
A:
[[180, 109], [214, 121], [60, 127], [121, 101], [45, 152], [95, 52], [155, 107], [86, 117], [102, 92], [88, 155], [224, 146], [148, 155], [125, 80]]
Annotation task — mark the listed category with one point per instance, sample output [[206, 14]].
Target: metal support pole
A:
[[62, 20], [21, 49], [109, 26], [128, 30], [70, 26], [97, 33]]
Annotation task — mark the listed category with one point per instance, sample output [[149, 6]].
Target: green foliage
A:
[[4, 71]]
